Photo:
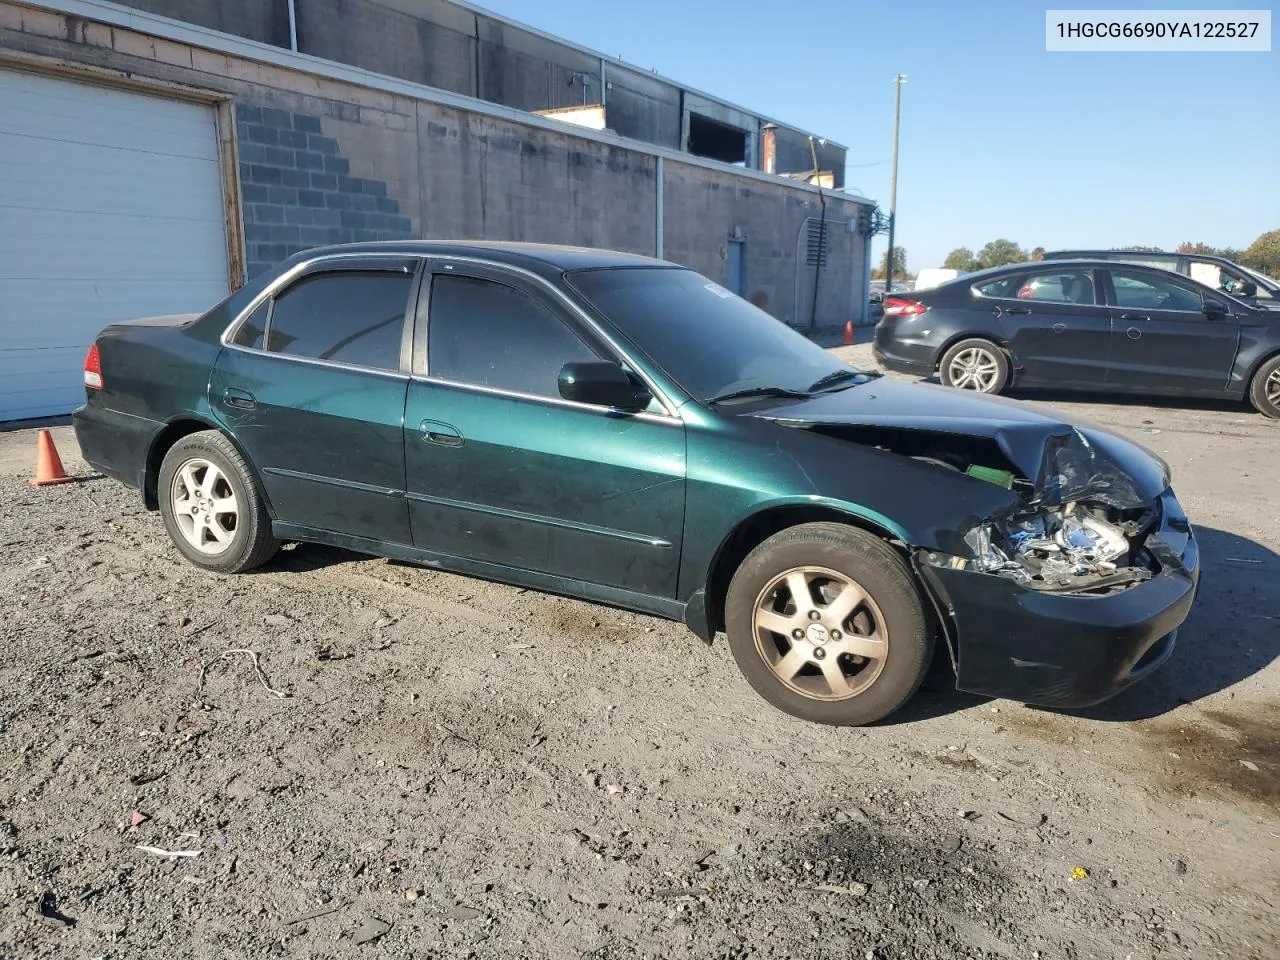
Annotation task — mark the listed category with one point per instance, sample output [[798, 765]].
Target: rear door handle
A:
[[1134, 316], [445, 434], [1012, 310], [240, 399]]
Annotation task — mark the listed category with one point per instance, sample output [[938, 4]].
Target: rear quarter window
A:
[[1001, 287]]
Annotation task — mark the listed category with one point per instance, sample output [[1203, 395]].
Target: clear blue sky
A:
[[999, 138]]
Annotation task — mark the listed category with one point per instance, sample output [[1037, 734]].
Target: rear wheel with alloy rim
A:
[[975, 364], [826, 623], [1264, 390], [212, 507]]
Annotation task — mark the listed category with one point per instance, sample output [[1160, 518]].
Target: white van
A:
[[932, 277]]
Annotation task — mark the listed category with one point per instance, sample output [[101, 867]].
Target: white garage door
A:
[[110, 208]]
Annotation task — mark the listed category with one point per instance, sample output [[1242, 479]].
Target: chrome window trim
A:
[[298, 269], [549, 401], [1189, 313], [316, 362]]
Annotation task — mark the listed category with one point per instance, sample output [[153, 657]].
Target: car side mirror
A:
[[603, 384], [1213, 310]]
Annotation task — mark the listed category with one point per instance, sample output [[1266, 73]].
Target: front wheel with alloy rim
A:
[[212, 507], [1264, 390], [975, 364], [826, 623]]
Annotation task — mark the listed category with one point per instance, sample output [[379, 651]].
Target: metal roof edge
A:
[[179, 31], [634, 68]]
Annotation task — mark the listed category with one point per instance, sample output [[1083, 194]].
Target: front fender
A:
[[744, 470]]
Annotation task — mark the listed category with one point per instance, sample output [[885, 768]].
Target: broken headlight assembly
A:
[[1065, 548]]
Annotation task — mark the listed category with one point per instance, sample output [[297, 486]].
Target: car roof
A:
[[1113, 254], [969, 279], [545, 258], [1089, 262]]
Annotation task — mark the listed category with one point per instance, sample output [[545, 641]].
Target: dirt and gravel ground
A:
[[464, 769]]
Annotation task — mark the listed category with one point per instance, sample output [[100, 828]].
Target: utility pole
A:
[[898, 81]]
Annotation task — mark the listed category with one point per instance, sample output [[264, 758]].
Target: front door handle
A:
[[445, 434], [1012, 310], [1134, 316], [240, 399]]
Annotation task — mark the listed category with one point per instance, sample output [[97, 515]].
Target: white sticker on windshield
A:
[[719, 291]]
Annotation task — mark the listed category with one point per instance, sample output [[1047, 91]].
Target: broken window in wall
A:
[[717, 141]]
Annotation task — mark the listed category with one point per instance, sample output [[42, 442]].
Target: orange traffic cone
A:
[[48, 463], [848, 333]]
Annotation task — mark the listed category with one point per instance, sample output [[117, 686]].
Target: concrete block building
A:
[[154, 154]]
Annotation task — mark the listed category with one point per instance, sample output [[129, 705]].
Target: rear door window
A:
[[1071, 286], [350, 316]]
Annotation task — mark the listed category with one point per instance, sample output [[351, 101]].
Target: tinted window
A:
[[348, 317], [1067, 287], [493, 335], [1003, 287], [709, 340], [1150, 292], [249, 333]]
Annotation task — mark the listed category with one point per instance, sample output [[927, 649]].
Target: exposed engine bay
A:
[[1079, 526], [1073, 547]]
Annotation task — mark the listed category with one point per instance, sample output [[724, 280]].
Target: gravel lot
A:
[[464, 769]]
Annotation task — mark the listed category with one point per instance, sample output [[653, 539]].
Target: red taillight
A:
[[93, 369], [902, 307]]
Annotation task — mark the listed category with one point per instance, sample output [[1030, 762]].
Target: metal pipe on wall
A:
[[293, 26], [604, 85], [659, 197]]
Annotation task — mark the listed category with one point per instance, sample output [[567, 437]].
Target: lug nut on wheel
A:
[[814, 615], [835, 634], [797, 634], [819, 653]]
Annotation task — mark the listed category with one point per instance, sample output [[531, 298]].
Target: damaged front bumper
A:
[[1066, 649]]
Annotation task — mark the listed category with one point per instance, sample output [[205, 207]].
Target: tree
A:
[[999, 252], [1037, 254], [899, 264], [1264, 254], [1230, 253], [961, 258]]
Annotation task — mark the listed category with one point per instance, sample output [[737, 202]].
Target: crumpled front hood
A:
[[1064, 460]]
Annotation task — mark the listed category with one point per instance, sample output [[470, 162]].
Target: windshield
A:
[[708, 340]]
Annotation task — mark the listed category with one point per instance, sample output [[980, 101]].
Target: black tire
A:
[[984, 348], [895, 602], [251, 543], [1264, 389]]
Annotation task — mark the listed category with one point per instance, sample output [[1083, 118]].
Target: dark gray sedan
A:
[[1085, 325]]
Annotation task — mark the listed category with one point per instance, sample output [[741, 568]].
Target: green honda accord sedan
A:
[[625, 431]]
